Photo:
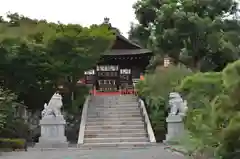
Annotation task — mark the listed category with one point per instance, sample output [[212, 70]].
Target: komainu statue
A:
[[177, 104], [53, 108]]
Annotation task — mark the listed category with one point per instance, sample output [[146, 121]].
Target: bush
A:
[[157, 115], [12, 144], [7, 102], [155, 89], [17, 128], [229, 141], [73, 114], [200, 90], [201, 87], [162, 81], [215, 121]]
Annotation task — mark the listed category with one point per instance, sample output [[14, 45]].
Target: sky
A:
[[84, 12]]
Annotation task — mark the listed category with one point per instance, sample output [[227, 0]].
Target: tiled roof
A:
[[135, 50], [127, 52]]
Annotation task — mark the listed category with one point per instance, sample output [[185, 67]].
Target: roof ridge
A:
[[127, 40]]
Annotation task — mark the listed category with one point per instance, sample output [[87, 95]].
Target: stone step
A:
[[112, 131], [114, 135], [131, 107], [100, 127], [139, 118], [117, 122], [115, 105], [113, 115], [115, 97], [121, 101], [114, 140], [114, 100], [125, 101], [121, 145], [114, 108], [107, 112]]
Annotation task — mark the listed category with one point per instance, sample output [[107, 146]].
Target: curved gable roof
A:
[[122, 45]]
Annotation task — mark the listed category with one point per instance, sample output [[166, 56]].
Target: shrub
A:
[[215, 121], [157, 114], [16, 129], [7, 102], [229, 141], [12, 144], [231, 80], [75, 106], [11, 126], [201, 87], [155, 89], [230, 144], [162, 81], [73, 114]]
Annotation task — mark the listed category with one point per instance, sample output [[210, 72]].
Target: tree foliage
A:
[[37, 56], [155, 89], [215, 123], [8, 104], [146, 14], [201, 87], [196, 33]]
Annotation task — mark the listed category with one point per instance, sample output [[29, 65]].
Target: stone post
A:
[[175, 127], [175, 123], [53, 125], [52, 132]]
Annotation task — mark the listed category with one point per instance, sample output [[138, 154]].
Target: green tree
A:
[[215, 123], [195, 33], [146, 13], [78, 49], [201, 87], [139, 34], [8, 103], [36, 56]]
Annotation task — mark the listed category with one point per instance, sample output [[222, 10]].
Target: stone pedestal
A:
[[52, 132], [175, 127]]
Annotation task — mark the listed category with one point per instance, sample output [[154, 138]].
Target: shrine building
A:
[[120, 67]]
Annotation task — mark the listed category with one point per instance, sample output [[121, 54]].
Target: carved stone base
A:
[[52, 132], [175, 127], [51, 145]]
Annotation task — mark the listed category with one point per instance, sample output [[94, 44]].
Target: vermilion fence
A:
[[121, 92]]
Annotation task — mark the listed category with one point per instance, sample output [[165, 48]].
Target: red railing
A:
[[120, 92]]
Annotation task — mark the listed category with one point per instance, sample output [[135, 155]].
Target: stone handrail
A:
[[150, 132], [83, 121]]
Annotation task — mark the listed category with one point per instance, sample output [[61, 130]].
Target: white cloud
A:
[[84, 12]]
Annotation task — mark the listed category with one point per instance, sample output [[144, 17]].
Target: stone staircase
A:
[[114, 120]]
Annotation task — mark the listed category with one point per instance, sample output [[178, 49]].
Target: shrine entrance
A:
[[107, 78], [120, 67]]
